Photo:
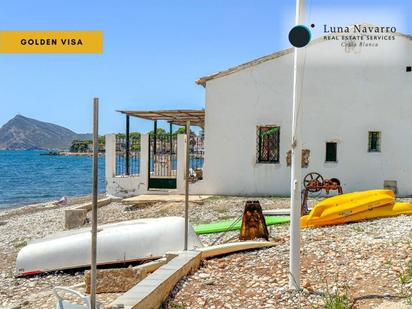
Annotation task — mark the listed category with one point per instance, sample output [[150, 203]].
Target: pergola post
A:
[[171, 147], [155, 137], [127, 163], [171, 138], [187, 184]]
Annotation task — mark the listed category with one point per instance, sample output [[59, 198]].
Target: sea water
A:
[[27, 177]]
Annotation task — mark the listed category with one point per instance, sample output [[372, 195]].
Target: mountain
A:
[[22, 133]]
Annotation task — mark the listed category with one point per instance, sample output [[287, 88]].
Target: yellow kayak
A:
[[337, 208], [380, 212], [391, 210]]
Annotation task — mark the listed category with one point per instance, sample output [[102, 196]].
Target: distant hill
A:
[[22, 133]]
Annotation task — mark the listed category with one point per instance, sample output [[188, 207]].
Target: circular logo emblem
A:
[[299, 36]]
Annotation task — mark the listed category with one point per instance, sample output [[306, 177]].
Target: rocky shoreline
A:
[[69, 154], [355, 261]]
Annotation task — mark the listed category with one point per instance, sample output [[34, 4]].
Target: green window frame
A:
[[374, 141], [331, 152]]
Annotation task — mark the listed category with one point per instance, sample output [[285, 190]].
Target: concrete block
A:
[[74, 218], [88, 205], [391, 185], [115, 280]]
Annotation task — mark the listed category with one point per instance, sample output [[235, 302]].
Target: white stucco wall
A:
[[346, 93], [125, 186]]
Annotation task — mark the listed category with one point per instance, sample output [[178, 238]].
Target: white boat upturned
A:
[[116, 243]]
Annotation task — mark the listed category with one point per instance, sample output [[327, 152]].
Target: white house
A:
[[357, 103]]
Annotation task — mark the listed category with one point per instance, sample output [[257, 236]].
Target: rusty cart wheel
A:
[[313, 182]]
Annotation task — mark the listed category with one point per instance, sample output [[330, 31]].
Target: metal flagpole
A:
[[187, 184], [295, 181], [94, 199]]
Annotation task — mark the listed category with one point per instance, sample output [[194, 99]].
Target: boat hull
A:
[[116, 243], [341, 206], [357, 206]]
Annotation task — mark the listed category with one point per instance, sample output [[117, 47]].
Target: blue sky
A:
[[153, 51]]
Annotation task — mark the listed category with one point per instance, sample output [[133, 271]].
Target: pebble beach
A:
[[361, 263]]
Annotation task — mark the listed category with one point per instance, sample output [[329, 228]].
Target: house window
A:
[[374, 141], [267, 144], [331, 150]]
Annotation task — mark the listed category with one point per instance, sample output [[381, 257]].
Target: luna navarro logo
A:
[[359, 35], [358, 29]]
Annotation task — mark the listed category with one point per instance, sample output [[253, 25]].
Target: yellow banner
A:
[[51, 42]]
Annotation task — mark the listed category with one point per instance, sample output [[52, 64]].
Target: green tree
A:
[[135, 134], [182, 130], [159, 131], [131, 134], [80, 146]]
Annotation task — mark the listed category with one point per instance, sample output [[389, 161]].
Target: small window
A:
[[331, 149], [409, 68], [267, 144], [374, 141]]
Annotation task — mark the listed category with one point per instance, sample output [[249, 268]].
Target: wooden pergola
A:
[[178, 117], [181, 117]]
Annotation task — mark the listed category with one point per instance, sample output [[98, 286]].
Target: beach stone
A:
[[210, 282], [14, 306], [203, 276], [74, 218], [391, 305], [115, 280], [139, 205]]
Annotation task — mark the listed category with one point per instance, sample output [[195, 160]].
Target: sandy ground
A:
[[362, 262]]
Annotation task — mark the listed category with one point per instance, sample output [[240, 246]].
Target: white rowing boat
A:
[[116, 243]]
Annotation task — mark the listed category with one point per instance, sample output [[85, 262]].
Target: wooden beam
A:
[[212, 251], [156, 264]]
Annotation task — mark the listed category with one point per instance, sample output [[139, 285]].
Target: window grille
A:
[[134, 155], [267, 144]]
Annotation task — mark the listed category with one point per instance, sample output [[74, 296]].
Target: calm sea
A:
[[27, 177]]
